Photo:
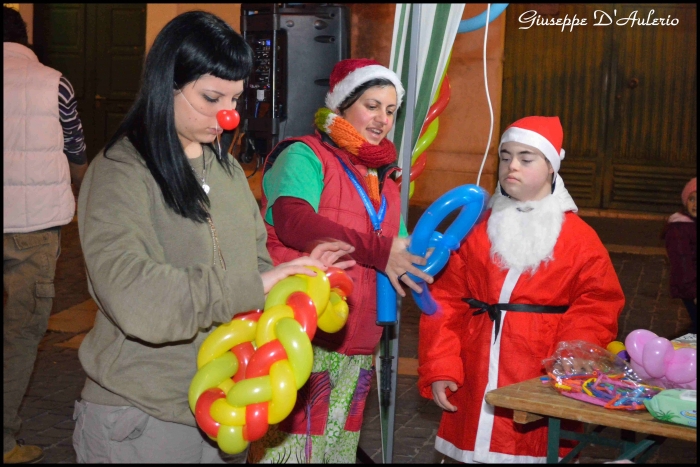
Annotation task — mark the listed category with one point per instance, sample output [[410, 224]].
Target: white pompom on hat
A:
[[348, 74], [543, 133]]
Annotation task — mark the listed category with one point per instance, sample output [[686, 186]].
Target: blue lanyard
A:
[[376, 218]]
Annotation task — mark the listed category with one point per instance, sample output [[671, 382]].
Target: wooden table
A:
[[531, 400]]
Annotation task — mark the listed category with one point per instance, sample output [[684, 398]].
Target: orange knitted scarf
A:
[[360, 151]]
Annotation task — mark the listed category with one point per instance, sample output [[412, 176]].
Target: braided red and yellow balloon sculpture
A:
[[249, 370]]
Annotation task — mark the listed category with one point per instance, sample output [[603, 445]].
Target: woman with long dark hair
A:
[[174, 245]]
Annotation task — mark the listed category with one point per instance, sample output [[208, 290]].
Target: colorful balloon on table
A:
[[618, 348], [249, 370], [656, 358]]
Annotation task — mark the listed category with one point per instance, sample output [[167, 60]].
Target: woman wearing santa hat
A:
[[530, 274], [681, 237], [339, 183]]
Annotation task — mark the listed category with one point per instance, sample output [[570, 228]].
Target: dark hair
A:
[[14, 29], [189, 46], [358, 91]]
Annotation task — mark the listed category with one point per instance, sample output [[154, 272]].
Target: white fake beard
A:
[[523, 234]]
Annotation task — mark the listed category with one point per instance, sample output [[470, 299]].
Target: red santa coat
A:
[[457, 346]]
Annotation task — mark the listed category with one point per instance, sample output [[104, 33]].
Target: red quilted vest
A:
[[341, 203]]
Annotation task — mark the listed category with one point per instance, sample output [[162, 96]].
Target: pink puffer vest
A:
[[36, 176]]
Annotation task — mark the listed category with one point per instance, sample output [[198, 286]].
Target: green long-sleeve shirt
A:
[[154, 277]]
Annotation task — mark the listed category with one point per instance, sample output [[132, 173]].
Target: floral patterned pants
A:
[[324, 426]]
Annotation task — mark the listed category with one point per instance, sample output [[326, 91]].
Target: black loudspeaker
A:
[[295, 46]]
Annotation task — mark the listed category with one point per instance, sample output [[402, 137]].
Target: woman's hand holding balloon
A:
[[400, 262], [330, 252], [296, 266]]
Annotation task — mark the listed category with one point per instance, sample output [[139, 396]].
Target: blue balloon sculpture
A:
[[479, 21], [471, 200], [424, 235]]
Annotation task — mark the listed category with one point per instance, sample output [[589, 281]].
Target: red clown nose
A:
[[228, 119]]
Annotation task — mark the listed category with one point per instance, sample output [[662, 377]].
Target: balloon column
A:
[[429, 132], [249, 370], [655, 357], [431, 125]]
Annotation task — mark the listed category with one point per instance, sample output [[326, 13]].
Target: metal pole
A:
[[411, 91]]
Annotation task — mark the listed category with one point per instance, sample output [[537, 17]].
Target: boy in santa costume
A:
[[530, 274]]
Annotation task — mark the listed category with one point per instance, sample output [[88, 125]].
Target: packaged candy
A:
[[589, 373]]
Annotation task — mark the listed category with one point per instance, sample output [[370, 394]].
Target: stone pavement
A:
[[637, 254]]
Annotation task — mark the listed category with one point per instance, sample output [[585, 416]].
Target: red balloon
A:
[[439, 105], [252, 315], [201, 411], [264, 357], [339, 281], [417, 168], [243, 352], [228, 119], [304, 311], [255, 421]]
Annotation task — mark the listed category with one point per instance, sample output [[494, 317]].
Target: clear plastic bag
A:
[[589, 373]]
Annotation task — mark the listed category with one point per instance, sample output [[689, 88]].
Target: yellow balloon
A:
[[616, 347], [227, 414], [231, 439], [226, 385], [318, 289], [250, 391], [411, 188], [224, 338], [268, 321], [284, 392], [298, 347], [335, 316], [280, 291], [426, 140], [210, 375]]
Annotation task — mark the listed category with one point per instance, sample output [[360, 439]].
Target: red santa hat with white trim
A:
[[348, 74], [543, 133]]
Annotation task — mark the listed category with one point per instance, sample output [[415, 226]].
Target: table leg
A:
[[630, 451], [553, 437]]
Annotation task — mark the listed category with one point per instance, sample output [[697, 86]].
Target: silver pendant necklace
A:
[[205, 187]]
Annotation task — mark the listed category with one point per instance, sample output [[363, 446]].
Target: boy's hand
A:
[[440, 394]]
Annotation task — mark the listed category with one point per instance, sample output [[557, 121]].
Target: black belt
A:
[[494, 310]]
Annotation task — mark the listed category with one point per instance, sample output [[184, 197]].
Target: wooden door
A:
[[652, 145], [100, 49], [626, 97]]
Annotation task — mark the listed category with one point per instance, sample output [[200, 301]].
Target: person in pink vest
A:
[[43, 165], [339, 183], [681, 239], [529, 275]]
